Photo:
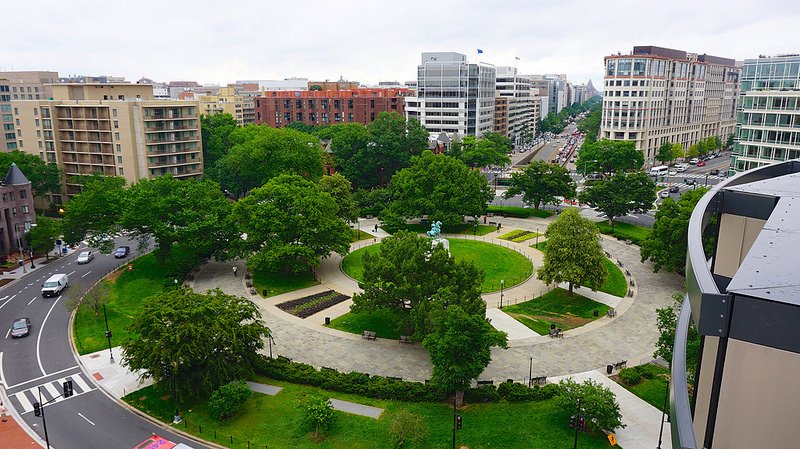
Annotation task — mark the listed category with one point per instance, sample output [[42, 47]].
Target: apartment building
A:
[[742, 297], [517, 117], [453, 95], [228, 101], [113, 130], [31, 85], [333, 85], [314, 107], [16, 212], [768, 119], [657, 95]]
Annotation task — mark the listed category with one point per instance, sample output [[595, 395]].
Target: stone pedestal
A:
[[444, 243]]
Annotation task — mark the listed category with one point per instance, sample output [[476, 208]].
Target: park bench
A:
[[542, 380], [395, 378], [630, 293], [620, 365], [288, 359], [556, 333], [628, 272], [405, 339], [619, 262], [611, 313], [369, 335], [327, 368], [253, 291], [633, 284], [483, 383], [248, 283]]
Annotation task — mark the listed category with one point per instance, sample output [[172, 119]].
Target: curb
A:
[[18, 418]]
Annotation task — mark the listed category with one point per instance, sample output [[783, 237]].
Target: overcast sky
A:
[[371, 41]]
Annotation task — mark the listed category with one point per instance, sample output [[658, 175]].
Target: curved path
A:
[[630, 336]]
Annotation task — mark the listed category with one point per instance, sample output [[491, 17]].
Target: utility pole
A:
[[108, 334], [455, 393]]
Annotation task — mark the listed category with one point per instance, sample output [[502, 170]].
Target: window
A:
[[121, 170], [119, 159], [116, 136], [13, 211], [114, 112], [25, 209], [116, 124], [36, 112], [119, 148]]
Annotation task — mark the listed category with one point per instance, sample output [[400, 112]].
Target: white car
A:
[[665, 193], [672, 173], [694, 160], [85, 257]]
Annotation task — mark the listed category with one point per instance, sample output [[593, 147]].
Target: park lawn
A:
[[383, 322], [465, 228], [556, 307], [497, 262], [651, 390], [615, 284], [624, 231], [358, 234], [520, 212], [280, 282], [127, 292], [273, 421]]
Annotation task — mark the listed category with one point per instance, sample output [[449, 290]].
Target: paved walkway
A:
[[113, 377], [642, 419], [601, 297], [504, 322], [356, 409]]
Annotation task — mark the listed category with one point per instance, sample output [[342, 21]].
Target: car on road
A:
[[714, 172], [21, 328], [664, 193], [672, 173], [701, 163], [122, 252], [674, 189], [694, 160], [690, 182], [85, 257], [681, 167]]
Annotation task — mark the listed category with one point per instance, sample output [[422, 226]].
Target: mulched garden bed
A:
[[308, 305]]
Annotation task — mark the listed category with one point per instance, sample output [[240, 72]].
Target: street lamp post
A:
[[502, 286], [530, 372], [177, 419], [21, 252], [108, 335]]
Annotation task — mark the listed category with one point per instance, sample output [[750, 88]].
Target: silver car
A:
[[21, 328], [85, 257]]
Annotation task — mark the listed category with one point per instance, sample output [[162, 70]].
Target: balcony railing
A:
[[680, 411]]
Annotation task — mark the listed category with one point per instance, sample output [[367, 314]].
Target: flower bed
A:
[[519, 235], [513, 234], [308, 305]]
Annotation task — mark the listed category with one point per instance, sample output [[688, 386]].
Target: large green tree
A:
[[259, 153], [342, 191], [621, 194], [198, 341], [216, 130], [667, 243], [460, 348], [290, 224], [441, 187], [596, 403], [667, 322], [574, 254], [193, 213], [482, 152], [610, 156], [42, 237], [541, 183], [664, 154], [44, 177], [96, 210], [590, 124], [418, 281]]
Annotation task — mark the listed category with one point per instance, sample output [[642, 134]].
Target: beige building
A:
[[228, 101], [112, 130], [31, 85], [659, 95]]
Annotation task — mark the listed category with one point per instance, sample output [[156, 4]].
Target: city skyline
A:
[[369, 43]]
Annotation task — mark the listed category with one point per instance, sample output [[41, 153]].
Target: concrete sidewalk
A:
[[116, 379], [504, 322], [601, 297]]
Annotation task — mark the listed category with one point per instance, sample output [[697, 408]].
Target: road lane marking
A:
[[24, 402], [32, 300], [39, 337], [81, 384], [9, 300], [87, 274], [71, 273], [4, 298], [11, 387], [87, 419], [9, 331]]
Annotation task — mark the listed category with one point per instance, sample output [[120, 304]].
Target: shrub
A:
[[598, 404], [318, 414], [408, 428], [228, 399], [481, 394], [631, 376], [516, 392]]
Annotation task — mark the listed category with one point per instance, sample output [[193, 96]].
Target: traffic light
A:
[[458, 421], [37, 409], [68, 388], [573, 421], [581, 422]]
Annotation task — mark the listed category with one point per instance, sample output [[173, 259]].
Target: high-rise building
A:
[[111, 129], [453, 95], [554, 87], [314, 107], [31, 85], [768, 122], [513, 97], [659, 95]]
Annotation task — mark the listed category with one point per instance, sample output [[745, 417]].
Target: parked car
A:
[[681, 167], [674, 189], [21, 328], [672, 173], [701, 163], [665, 193], [122, 252], [85, 257], [694, 160], [714, 172]]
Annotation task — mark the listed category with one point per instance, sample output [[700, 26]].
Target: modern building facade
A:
[[113, 130], [453, 95], [314, 107], [744, 300], [658, 95], [768, 119], [513, 97], [16, 214], [30, 85]]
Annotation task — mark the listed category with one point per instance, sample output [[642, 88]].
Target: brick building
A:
[[279, 108], [16, 212]]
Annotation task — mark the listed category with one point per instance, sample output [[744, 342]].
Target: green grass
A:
[[127, 293], [520, 212], [519, 235], [650, 390], [558, 308], [624, 231], [383, 322], [273, 421], [496, 261], [358, 234], [468, 229], [278, 283], [541, 246], [615, 284]]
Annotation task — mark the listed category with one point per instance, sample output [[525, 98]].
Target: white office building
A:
[[515, 91]]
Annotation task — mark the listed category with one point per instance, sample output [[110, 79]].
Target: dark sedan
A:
[[122, 252], [21, 328], [714, 172]]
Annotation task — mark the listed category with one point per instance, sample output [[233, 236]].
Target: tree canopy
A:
[[666, 322], [664, 153], [199, 341], [441, 187], [610, 156], [541, 183], [216, 130], [596, 403], [342, 191], [42, 237], [96, 210], [260, 153], [574, 254], [290, 224], [621, 194], [44, 177], [483, 152]]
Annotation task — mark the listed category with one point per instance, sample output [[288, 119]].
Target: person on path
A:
[[234, 271], [3, 412]]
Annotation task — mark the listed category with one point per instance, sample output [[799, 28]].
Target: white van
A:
[[661, 170], [681, 167], [54, 285]]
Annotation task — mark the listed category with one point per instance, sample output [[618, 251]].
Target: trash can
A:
[[609, 369], [595, 313], [327, 320], [64, 249], [264, 293]]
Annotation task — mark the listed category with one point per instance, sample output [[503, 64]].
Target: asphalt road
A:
[[88, 419]]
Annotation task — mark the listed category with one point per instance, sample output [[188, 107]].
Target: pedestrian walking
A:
[[2, 412], [376, 228], [234, 271]]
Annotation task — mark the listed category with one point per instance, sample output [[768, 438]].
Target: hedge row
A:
[[380, 387]]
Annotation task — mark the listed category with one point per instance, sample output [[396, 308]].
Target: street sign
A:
[[612, 439]]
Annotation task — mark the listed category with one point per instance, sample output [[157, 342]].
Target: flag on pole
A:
[[480, 51]]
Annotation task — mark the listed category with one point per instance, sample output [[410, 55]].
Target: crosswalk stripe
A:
[[78, 379], [54, 393], [51, 390], [23, 401]]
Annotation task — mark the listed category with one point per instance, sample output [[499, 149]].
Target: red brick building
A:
[[279, 108]]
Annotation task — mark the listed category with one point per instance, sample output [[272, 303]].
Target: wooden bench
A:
[[632, 284], [288, 359], [248, 283], [630, 293], [620, 365], [483, 383], [395, 378], [327, 368], [619, 262], [405, 339], [556, 333], [628, 272], [369, 335], [542, 380], [253, 291]]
